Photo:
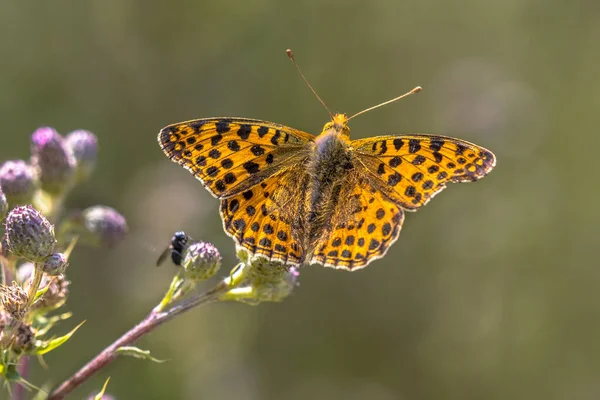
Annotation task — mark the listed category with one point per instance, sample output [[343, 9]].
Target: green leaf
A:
[[101, 393], [136, 352], [40, 293], [173, 288], [54, 343]]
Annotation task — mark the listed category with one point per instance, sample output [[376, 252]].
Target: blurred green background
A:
[[491, 291]]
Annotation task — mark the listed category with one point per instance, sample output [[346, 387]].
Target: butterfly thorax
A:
[[328, 167]]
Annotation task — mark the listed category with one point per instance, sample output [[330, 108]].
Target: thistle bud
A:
[[84, 146], [23, 338], [17, 182], [55, 264], [53, 162], [104, 226], [275, 290], [18, 336], [29, 234], [13, 299], [201, 261], [264, 281]]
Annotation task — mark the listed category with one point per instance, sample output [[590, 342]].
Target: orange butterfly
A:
[[292, 197]]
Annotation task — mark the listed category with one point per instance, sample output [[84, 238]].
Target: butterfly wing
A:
[[230, 155], [262, 218], [366, 223], [411, 169]]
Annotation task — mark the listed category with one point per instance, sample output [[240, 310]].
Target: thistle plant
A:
[[39, 233], [37, 237]]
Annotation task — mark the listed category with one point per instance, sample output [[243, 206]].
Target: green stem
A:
[[168, 298], [36, 280]]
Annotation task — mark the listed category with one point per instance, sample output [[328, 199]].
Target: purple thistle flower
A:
[[29, 234], [53, 162], [17, 182], [84, 146]]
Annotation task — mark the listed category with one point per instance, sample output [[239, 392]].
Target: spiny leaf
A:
[[137, 353], [54, 343], [40, 293], [101, 393]]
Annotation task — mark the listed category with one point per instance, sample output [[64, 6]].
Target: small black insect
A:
[[175, 248]]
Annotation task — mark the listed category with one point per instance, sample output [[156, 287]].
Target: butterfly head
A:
[[338, 123]]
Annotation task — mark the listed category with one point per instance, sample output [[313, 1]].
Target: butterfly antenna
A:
[[291, 56], [415, 90]]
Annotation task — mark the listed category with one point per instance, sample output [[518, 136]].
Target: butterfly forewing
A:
[[414, 168], [230, 155]]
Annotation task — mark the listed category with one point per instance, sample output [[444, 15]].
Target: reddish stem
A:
[[109, 354], [23, 370]]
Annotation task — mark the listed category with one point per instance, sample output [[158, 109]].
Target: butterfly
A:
[[295, 198]]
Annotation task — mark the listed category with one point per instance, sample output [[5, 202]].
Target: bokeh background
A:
[[491, 292]]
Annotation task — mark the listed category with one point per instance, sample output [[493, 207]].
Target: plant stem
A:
[[36, 279], [155, 318]]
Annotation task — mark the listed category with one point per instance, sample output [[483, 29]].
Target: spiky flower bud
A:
[[84, 146], [13, 299], [275, 289], [201, 261], [263, 280], [56, 295], [3, 205], [104, 226], [52, 160], [29, 234], [56, 264], [23, 338], [18, 336], [17, 182]]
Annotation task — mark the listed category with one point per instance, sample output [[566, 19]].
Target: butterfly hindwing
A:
[[230, 155], [367, 223], [261, 218], [414, 168]]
